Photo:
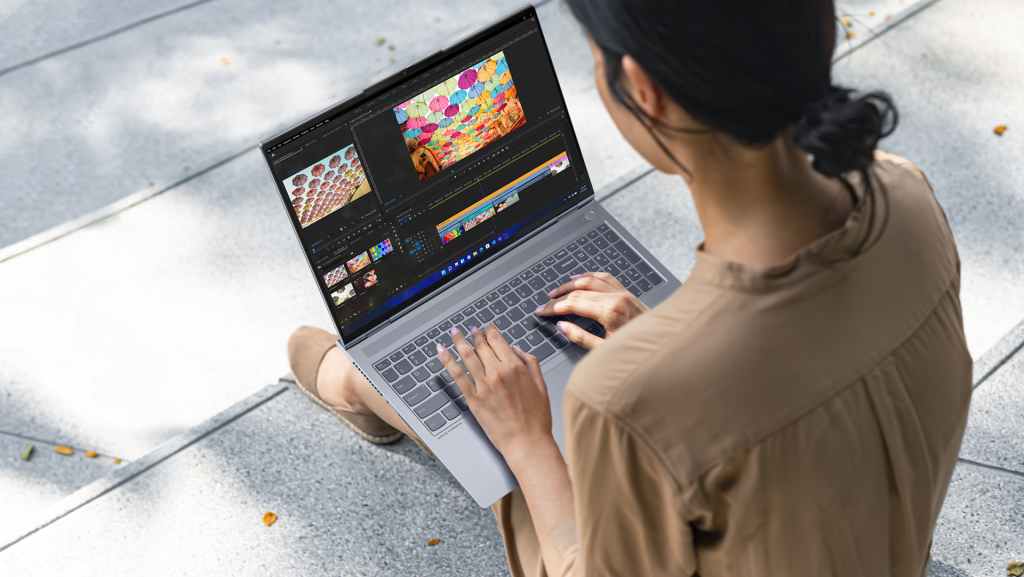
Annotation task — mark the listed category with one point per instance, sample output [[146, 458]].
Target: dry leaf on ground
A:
[[433, 542], [380, 41], [117, 461], [269, 518], [1015, 568], [92, 454], [846, 21], [63, 450], [224, 62], [871, 14], [851, 34], [1000, 129], [888, 16], [27, 452]]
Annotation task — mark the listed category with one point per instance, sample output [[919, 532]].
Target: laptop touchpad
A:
[[556, 378]]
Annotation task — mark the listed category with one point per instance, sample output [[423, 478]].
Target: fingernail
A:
[[563, 327], [552, 293], [474, 329], [516, 347], [538, 309], [575, 276], [455, 331], [441, 350]]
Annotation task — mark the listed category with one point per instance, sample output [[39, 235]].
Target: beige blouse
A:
[[798, 419]]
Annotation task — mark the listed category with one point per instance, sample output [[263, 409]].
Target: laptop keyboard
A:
[[413, 369]]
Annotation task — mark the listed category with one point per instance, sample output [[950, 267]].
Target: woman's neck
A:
[[760, 206]]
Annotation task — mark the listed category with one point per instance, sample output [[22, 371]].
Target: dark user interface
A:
[[407, 189]]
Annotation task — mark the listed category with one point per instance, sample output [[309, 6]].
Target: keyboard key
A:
[[535, 338], [457, 319], [634, 275], [492, 296], [382, 365], [482, 303], [435, 365], [644, 285], [485, 316], [601, 243], [543, 351], [403, 366], [636, 292], [527, 306], [550, 287], [571, 247], [559, 341], [648, 272], [517, 332], [403, 386], [397, 355], [602, 260], [445, 340], [611, 236], [537, 267], [603, 228], [443, 327], [453, 391], [461, 403], [417, 396], [450, 411], [435, 422], [564, 279], [502, 322], [595, 329], [390, 375], [409, 348], [421, 341], [503, 289], [565, 265], [621, 262], [526, 275], [524, 291], [561, 254], [431, 406], [515, 314], [430, 350], [469, 323], [592, 234], [498, 307], [578, 270], [530, 322], [549, 275], [582, 240], [433, 333], [421, 374], [417, 358], [524, 345], [612, 269], [515, 282], [591, 249], [510, 299], [549, 261], [468, 311], [436, 383], [627, 252], [541, 298], [536, 283], [580, 255], [547, 329], [624, 280]]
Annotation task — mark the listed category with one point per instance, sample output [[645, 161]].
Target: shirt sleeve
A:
[[628, 513]]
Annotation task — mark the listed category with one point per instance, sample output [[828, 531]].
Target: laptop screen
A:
[[416, 181]]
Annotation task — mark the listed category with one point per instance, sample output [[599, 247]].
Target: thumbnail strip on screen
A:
[[499, 200]]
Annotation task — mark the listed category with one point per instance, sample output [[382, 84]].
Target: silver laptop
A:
[[451, 194]]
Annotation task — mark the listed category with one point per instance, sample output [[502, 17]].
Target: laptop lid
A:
[[402, 189]]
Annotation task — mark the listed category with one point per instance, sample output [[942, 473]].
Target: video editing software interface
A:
[[419, 183]]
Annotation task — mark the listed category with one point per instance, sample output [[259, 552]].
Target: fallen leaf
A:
[[224, 62], [27, 452], [92, 454], [888, 16], [63, 450], [1000, 129], [846, 21], [851, 34], [269, 518], [433, 542], [117, 461], [871, 14], [380, 41], [391, 46], [1015, 568]]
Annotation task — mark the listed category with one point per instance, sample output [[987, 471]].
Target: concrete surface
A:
[[133, 331]]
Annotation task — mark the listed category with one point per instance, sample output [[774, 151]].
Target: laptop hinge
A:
[[383, 325]]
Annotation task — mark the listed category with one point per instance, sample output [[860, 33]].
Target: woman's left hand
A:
[[507, 393]]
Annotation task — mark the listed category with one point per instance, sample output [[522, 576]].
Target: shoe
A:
[[306, 350]]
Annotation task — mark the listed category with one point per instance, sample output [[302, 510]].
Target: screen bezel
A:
[[384, 89]]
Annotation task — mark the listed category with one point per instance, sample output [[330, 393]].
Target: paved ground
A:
[[136, 330]]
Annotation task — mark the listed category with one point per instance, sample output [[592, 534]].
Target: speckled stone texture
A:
[[995, 428], [344, 506]]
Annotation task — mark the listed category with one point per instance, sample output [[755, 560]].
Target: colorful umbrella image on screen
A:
[[380, 250], [335, 276], [326, 186], [359, 262], [460, 115]]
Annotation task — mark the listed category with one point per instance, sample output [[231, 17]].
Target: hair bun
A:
[[841, 134]]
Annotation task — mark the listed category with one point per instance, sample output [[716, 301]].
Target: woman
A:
[[796, 408]]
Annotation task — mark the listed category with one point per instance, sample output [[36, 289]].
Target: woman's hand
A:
[[507, 394], [595, 295]]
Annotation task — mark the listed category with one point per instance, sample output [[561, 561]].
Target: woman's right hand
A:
[[595, 295]]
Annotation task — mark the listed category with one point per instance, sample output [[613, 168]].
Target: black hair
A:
[[750, 69]]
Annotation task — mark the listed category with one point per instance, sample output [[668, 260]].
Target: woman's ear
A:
[[645, 92]]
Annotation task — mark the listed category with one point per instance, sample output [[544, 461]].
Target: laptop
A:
[[453, 193]]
